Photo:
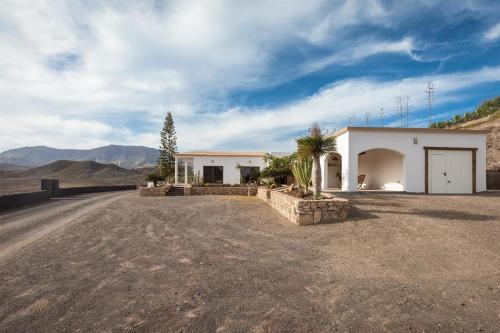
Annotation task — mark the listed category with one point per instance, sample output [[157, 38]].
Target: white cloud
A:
[[66, 66], [493, 33], [365, 49], [333, 105]]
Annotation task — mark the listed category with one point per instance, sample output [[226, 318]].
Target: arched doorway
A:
[[334, 173], [381, 169]]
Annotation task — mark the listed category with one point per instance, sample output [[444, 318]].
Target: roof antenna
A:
[[430, 97]]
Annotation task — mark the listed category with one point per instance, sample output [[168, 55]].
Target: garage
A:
[[450, 170]]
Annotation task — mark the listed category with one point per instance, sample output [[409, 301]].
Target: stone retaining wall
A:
[[160, 191], [16, 200], [304, 212], [223, 190]]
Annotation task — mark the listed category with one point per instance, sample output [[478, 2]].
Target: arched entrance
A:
[[334, 171], [381, 169]]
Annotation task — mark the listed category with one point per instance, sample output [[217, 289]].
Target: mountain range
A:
[[124, 156]]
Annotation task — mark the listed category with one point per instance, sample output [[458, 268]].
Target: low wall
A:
[[51, 189], [93, 189], [160, 191], [493, 179], [304, 212], [223, 190], [10, 201]]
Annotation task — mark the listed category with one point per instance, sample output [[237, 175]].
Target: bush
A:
[[277, 167], [153, 177]]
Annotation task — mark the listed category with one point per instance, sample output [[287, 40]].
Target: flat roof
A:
[[221, 153], [409, 130]]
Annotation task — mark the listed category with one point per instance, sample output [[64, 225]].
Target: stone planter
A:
[[303, 211]]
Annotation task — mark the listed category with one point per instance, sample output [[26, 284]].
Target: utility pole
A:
[[407, 107], [429, 95], [382, 116], [367, 118], [399, 109]]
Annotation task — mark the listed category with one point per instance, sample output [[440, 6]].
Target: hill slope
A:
[[126, 156], [77, 170], [7, 166], [69, 173], [492, 124]]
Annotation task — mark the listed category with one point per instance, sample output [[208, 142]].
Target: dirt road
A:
[[401, 263], [19, 228]]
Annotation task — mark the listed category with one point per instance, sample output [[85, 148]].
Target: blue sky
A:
[[236, 74]]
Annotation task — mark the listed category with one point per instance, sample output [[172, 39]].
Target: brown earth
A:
[[70, 174], [492, 124], [118, 262]]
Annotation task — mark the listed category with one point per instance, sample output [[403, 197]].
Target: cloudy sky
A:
[[249, 75]]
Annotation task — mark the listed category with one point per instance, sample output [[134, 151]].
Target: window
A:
[[213, 174], [249, 173]]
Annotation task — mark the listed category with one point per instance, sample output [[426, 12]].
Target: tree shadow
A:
[[453, 215], [428, 213], [357, 214]]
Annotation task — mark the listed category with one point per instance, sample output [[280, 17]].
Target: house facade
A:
[[421, 160], [218, 167]]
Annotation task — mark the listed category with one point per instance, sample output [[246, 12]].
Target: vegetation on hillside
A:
[[485, 109]]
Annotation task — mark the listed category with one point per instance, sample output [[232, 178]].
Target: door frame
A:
[[473, 150]]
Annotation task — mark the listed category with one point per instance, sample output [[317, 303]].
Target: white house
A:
[[422, 160], [218, 167]]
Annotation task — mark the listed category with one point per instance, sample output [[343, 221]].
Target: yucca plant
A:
[[302, 171], [313, 145]]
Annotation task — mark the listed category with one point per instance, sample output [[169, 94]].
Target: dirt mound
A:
[[78, 169]]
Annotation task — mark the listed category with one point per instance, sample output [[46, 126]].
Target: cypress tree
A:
[[168, 147]]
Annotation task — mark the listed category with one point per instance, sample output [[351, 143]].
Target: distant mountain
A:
[[7, 166], [124, 156]]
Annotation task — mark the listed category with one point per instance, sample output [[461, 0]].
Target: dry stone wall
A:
[[304, 212], [223, 190]]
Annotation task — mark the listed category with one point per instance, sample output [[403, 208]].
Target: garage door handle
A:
[[444, 173], [449, 181]]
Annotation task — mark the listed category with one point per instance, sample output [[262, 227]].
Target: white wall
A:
[[343, 151], [414, 161], [231, 174], [383, 170]]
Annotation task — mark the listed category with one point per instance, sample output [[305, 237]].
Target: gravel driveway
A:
[[121, 262]]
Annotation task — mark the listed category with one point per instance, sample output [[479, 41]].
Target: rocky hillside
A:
[[125, 156], [492, 124]]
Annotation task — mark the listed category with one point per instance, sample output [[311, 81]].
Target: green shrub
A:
[[153, 177]]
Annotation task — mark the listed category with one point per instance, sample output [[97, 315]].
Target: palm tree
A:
[[313, 145]]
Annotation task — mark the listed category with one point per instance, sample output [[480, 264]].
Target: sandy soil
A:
[[208, 263]]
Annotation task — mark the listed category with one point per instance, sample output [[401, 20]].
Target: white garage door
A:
[[450, 171]]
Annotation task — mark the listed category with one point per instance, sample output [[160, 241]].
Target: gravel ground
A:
[[119, 262]]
